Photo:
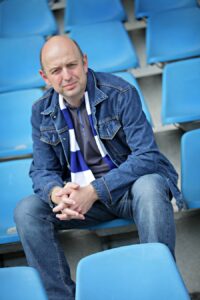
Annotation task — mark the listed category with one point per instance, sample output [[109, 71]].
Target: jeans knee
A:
[[24, 209], [150, 187]]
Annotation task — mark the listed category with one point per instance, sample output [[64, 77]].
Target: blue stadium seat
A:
[[173, 35], [22, 18], [15, 124], [181, 92], [145, 8], [131, 79], [142, 272], [20, 63], [15, 184], [190, 168], [21, 283], [85, 12], [107, 45]]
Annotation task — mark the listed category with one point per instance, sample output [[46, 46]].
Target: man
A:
[[94, 159]]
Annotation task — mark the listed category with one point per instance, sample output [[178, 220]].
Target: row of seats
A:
[[143, 272], [172, 28], [15, 184], [180, 104]]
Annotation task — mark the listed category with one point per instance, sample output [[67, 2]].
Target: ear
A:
[[44, 76], [85, 63]]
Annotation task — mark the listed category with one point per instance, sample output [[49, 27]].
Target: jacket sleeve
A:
[[45, 171], [143, 150]]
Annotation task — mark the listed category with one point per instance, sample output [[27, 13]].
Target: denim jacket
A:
[[122, 127]]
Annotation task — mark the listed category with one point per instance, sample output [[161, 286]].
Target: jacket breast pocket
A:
[[49, 136], [112, 134]]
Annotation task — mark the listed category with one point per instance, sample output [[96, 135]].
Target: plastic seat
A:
[[142, 272], [21, 283], [173, 35], [131, 79], [145, 8], [85, 12], [22, 18], [20, 63], [107, 45], [190, 168], [111, 224], [15, 184], [181, 93], [15, 125]]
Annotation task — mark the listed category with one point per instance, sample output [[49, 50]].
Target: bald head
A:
[[53, 45]]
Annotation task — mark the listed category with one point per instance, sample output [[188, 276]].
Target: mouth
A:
[[69, 86]]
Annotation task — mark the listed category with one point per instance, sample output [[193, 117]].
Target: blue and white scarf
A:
[[80, 172]]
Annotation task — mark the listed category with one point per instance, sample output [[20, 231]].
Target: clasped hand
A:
[[74, 201]]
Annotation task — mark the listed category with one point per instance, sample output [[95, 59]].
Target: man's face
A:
[[66, 71]]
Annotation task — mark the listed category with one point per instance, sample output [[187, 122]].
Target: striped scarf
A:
[[80, 172]]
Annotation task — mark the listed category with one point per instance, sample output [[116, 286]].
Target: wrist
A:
[[55, 199], [92, 192]]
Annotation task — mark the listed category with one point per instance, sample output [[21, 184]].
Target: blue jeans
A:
[[147, 202]]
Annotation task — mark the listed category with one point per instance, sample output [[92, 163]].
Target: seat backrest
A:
[[20, 63], [22, 18], [142, 272], [180, 91], [101, 44], [144, 8], [21, 283], [15, 125], [190, 168], [15, 184], [173, 35], [85, 12]]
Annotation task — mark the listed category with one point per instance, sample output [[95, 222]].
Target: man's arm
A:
[[140, 140], [46, 171]]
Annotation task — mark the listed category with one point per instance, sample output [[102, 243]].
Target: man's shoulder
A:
[[109, 80], [44, 100]]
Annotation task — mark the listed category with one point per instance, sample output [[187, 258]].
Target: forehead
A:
[[60, 53]]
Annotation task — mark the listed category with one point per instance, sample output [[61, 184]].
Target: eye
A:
[[55, 71], [72, 65]]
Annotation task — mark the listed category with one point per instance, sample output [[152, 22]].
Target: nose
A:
[[66, 74]]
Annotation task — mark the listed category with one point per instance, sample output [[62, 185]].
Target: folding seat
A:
[[15, 184], [22, 18], [173, 35], [107, 45], [15, 125], [131, 79], [142, 272], [21, 283], [145, 8], [190, 168], [20, 63], [181, 93], [85, 12]]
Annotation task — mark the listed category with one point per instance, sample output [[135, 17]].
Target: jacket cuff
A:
[[102, 191], [47, 191]]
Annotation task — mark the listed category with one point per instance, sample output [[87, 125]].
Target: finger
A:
[[66, 190], [64, 217], [68, 200], [72, 185], [59, 207]]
